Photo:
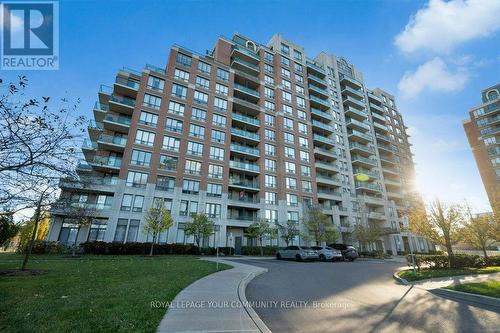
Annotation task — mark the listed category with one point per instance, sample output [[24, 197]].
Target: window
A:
[[126, 202], [292, 200], [287, 97], [219, 120], [148, 119], [304, 156], [270, 149], [268, 68], [299, 90], [171, 143], [297, 55], [97, 231], [271, 216], [270, 135], [133, 230], [298, 68], [289, 152], [289, 137], [179, 91], [198, 114], [268, 92], [268, 56], [287, 84], [168, 162], [197, 131], [176, 108], [270, 165], [287, 109], [216, 153], [190, 186], [291, 183], [215, 171], [144, 138], [270, 120], [137, 179], [287, 123], [221, 89], [220, 104], [151, 101], [285, 61], [302, 128], [303, 142], [306, 186], [138, 203], [204, 67], [305, 170], [140, 157], [213, 210], [270, 181], [301, 102], [183, 59], [222, 75], [271, 198], [181, 75], [164, 183], [200, 98], [218, 136], [214, 190], [293, 217], [290, 167], [301, 115], [195, 148], [285, 72], [121, 230], [285, 49], [192, 167], [202, 82], [155, 83], [269, 106], [299, 78], [173, 125]]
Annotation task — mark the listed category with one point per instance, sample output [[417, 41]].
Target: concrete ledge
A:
[[242, 296], [487, 301], [400, 279]]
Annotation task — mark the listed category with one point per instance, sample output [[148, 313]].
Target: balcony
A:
[[387, 159], [376, 108], [244, 184], [243, 52], [156, 69], [326, 166], [367, 187], [349, 101], [325, 152], [357, 114], [247, 201], [313, 99], [316, 79], [358, 125], [385, 147], [246, 135], [324, 127], [333, 181], [363, 171], [318, 69], [319, 90], [376, 216], [112, 143], [94, 129], [348, 91], [321, 114], [380, 118], [244, 166], [106, 164], [245, 150], [347, 80], [248, 105], [382, 137], [245, 66], [324, 139], [363, 161], [374, 97], [246, 90], [89, 184], [359, 136], [89, 145], [380, 128], [237, 218], [117, 123], [126, 87], [100, 110], [361, 149], [121, 104], [395, 195], [246, 120], [390, 182], [390, 171], [329, 194]]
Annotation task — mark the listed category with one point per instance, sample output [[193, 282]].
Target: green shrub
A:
[[441, 261], [43, 247], [255, 250], [494, 261], [118, 248]]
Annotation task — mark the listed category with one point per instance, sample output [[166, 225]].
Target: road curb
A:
[[400, 279], [462, 296], [243, 299]]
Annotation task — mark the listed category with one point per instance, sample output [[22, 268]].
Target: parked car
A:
[[349, 252], [327, 253], [298, 253]]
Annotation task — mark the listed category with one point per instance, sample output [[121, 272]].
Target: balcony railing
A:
[[321, 113], [243, 198], [246, 51], [358, 123], [246, 63], [366, 148], [128, 83], [315, 67], [364, 159], [154, 68], [319, 100], [127, 121], [116, 140], [244, 166], [247, 90], [323, 139], [246, 119], [244, 149], [106, 161], [365, 185], [122, 100], [246, 134], [244, 183], [360, 134], [323, 125], [317, 79], [101, 107], [364, 171]]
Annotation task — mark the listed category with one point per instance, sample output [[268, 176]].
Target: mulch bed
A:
[[18, 272]]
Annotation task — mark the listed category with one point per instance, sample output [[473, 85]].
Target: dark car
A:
[[348, 251]]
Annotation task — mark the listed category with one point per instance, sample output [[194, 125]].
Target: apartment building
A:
[[244, 132], [483, 132]]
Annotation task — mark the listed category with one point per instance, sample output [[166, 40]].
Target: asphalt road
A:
[[355, 297]]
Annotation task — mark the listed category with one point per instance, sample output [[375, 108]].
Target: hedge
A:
[[459, 261], [255, 250], [43, 247], [374, 254]]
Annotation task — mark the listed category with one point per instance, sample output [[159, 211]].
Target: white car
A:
[[327, 253], [298, 253]]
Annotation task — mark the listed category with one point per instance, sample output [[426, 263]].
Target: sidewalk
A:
[[214, 304], [435, 283]]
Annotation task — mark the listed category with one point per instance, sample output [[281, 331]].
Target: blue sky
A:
[[436, 67]]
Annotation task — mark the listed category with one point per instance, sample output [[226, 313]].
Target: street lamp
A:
[[406, 225]]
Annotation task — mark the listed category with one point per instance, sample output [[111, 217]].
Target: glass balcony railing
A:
[[323, 125], [318, 89], [246, 103], [355, 111], [319, 100], [127, 121], [244, 149], [246, 89], [244, 166], [116, 140], [243, 198], [246, 63], [382, 137], [366, 148], [320, 113], [354, 101], [246, 134], [243, 217], [122, 100], [373, 174], [317, 79], [154, 68], [246, 51], [107, 161], [315, 67], [353, 91], [359, 134], [366, 185], [326, 151], [363, 159], [128, 83], [244, 183], [95, 125], [358, 123], [87, 144], [101, 107], [323, 139], [330, 192], [246, 119]]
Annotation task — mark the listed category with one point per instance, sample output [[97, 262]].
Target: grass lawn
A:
[[488, 288], [434, 273], [93, 293]]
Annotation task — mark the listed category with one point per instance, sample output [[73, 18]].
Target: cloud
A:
[[443, 25], [432, 76]]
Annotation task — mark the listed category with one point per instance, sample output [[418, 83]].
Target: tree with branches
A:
[[479, 231], [366, 234], [200, 227], [259, 230], [288, 231], [157, 220], [319, 226]]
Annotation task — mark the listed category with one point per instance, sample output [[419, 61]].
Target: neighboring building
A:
[[483, 133], [244, 132]]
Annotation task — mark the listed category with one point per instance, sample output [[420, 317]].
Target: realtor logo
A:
[[30, 35]]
